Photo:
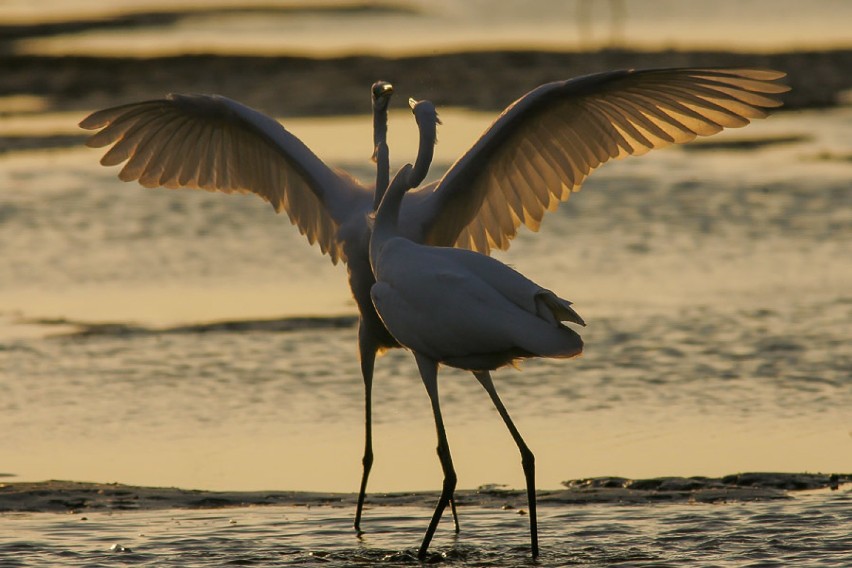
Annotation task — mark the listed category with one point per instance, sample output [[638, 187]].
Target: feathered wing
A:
[[544, 145], [214, 143]]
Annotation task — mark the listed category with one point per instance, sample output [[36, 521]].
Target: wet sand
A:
[[290, 85], [293, 86], [288, 82], [71, 496]]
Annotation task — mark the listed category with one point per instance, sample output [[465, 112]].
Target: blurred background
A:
[[715, 277]]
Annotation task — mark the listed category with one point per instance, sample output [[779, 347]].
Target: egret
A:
[[462, 309], [534, 155]]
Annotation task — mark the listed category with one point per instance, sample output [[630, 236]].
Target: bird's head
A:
[[381, 92], [426, 116]]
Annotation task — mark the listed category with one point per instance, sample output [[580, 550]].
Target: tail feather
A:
[[554, 309]]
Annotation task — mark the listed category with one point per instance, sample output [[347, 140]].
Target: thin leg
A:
[[527, 457], [455, 515], [429, 374], [368, 360]]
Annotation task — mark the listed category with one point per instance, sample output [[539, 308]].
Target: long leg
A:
[[367, 348], [429, 374], [527, 457], [368, 351], [455, 515]]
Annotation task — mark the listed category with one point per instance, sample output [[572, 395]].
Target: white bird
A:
[[462, 309], [243, 148], [535, 154]]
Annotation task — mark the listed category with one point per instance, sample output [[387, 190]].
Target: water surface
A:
[[810, 530], [420, 26], [715, 283]]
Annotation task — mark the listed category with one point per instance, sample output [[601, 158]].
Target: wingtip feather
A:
[[93, 121]]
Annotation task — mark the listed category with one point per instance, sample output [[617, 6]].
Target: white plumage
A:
[[534, 155], [467, 310], [463, 309]]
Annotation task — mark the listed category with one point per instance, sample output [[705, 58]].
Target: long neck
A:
[[387, 214], [425, 151], [382, 154], [386, 224]]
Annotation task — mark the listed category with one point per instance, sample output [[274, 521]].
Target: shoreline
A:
[[73, 497], [292, 86]]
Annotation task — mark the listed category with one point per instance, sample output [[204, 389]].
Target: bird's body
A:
[[535, 154], [358, 263], [472, 311], [463, 309]]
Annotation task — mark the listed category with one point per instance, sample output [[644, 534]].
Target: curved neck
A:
[[425, 152], [381, 154], [380, 125], [408, 177], [386, 223]]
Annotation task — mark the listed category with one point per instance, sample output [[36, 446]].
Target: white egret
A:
[[538, 151], [463, 309]]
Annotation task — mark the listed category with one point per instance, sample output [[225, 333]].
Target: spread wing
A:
[[214, 143], [544, 145]]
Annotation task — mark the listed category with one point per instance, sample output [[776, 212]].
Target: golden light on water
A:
[[121, 428], [325, 455], [270, 27]]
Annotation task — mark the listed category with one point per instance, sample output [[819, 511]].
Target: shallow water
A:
[[809, 530], [715, 283], [427, 26]]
